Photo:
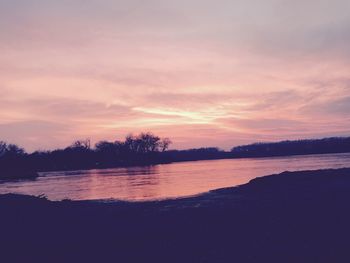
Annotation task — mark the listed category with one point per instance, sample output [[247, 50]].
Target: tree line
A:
[[297, 147], [145, 149]]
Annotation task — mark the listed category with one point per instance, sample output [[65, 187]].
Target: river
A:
[[166, 180]]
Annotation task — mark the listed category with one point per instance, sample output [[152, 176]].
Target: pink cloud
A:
[[200, 73]]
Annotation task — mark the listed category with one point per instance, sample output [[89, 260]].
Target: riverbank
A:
[[290, 217]]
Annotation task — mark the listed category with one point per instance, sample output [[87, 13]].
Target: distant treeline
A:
[[144, 149], [320, 146]]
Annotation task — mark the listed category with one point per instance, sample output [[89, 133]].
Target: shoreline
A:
[[33, 175], [288, 217]]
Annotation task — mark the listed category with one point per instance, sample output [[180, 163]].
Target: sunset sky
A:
[[203, 73]]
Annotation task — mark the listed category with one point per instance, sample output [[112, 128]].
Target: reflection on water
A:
[[167, 180]]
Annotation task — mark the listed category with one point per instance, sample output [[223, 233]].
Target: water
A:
[[167, 180]]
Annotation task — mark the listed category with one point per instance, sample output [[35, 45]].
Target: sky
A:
[[201, 72]]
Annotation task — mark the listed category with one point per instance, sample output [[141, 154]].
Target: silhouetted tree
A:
[[164, 144], [10, 149], [3, 148], [105, 147], [146, 143], [81, 144], [13, 149]]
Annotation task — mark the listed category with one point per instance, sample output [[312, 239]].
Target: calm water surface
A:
[[167, 180]]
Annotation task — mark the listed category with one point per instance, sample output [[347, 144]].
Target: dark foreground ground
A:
[[291, 217]]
